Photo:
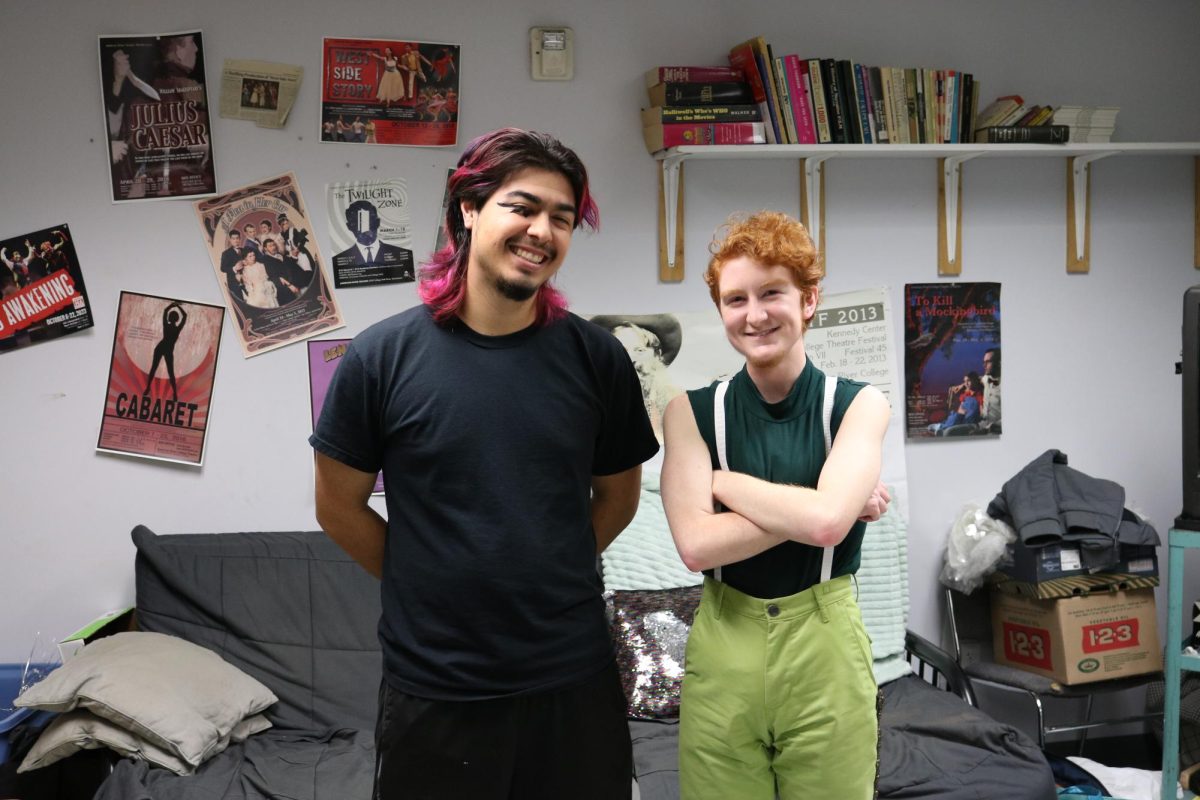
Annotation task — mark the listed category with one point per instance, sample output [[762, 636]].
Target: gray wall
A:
[[1088, 359]]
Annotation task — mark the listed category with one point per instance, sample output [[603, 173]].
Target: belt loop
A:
[[718, 597], [821, 599]]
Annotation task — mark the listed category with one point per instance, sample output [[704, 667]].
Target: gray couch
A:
[[293, 611]]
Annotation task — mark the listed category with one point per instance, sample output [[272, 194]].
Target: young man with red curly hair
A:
[[778, 693], [511, 435]]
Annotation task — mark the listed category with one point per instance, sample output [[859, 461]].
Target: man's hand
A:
[[877, 504]]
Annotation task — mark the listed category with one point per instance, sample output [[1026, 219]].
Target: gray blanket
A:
[[293, 611], [275, 765]]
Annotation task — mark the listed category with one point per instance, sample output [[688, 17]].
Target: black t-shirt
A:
[[488, 445]]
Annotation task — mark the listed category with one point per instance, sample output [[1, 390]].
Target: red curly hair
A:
[[771, 238]]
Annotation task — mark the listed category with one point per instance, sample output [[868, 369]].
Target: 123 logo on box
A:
[[1115, 635], [1026, 645]]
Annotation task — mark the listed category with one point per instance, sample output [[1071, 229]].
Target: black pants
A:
[[568, 743]]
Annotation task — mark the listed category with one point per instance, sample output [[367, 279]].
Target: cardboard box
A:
[[109, 622], [1054, 561], [1078, 640], [1074, 585]]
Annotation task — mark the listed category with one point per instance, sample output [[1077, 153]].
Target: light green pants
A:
[[778, 695]]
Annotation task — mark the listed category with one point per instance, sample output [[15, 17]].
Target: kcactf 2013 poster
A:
[[42, 295], [160, 379], [377, 91], [155, 101], [952, 363]]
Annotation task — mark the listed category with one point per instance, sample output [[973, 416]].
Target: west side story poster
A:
[[155, 101], [952, 359], [324, 355], [160, 379], [42, 295], [377, 91], [268, 264]]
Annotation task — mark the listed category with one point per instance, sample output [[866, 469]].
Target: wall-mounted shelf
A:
[[951, 157]]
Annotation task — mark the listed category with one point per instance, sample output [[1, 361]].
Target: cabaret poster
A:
[[376, 91], [324, 355], [370, 231], [268, 264], [42, 295], [952, 359], [160, 379], [155, 102]]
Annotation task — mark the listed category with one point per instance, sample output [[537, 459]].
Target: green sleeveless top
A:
[[780, 442]]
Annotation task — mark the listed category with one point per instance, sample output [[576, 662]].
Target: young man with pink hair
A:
[[511, 434], [768, 481]]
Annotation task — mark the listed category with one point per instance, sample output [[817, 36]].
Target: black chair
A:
[[936, 667], [969, 620]]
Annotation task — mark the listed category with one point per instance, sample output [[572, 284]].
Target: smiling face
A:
[[520, 235], [763, 311]]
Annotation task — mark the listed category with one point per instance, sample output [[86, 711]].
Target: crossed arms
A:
[[761, 514]]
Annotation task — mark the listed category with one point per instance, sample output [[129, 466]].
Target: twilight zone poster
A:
[[155, 101], [42, 295], [160, 380], [370, 231], [952, 359], [377, 91], [268, 264]]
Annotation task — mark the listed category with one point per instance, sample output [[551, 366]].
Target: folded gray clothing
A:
[[1048, 502]]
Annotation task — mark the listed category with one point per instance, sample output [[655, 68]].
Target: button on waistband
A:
[[773, 610]]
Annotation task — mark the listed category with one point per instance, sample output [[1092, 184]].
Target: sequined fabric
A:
[[650, 630]]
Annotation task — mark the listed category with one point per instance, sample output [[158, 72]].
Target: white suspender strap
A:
[[826, 421], [719, 435], [723, 461]]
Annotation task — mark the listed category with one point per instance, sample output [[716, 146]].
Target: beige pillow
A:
[[178, 696], [82, 730]]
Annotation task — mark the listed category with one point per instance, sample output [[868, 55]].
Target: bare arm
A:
[[342, 511], [614, 502], [847, 484], [703, 537]]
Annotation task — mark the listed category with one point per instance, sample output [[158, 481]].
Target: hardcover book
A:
[[738, 113], [723, 93], [694, 75], [659, 136], [742, 57], [1024, 134], [796, 73]]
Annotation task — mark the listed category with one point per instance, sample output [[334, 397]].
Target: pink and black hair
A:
[[488, 162]]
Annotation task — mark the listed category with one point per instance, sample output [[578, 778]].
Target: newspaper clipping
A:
[[160, 379], [376, 91], [259, 90], [267, 261], [370, 230], [156, 114], [324, 355], [952, 359], [42, 295]]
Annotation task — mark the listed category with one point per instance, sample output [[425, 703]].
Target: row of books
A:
[[822, 101], [827, 100], [1011, 119]]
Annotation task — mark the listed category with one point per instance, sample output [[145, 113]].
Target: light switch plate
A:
[[552, 54]]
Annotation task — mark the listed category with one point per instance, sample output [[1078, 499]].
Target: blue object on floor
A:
[[10, 717]]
